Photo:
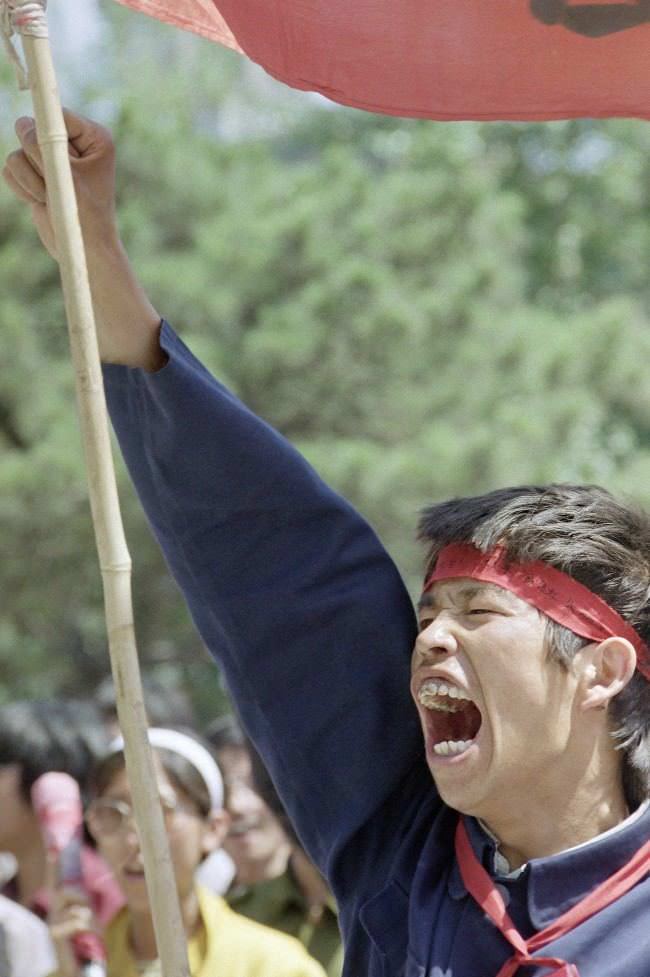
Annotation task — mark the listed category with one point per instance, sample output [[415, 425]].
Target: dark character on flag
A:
[[592, 19]]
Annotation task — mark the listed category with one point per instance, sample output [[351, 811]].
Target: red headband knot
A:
[[551, 591]]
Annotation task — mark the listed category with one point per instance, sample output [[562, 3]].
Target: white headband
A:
[[190, 750]]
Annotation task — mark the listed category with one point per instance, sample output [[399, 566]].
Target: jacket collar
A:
[[556, 883]]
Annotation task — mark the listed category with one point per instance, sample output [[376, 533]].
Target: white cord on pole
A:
[[21, 17]]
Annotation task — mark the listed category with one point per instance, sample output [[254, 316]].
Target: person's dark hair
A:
[[50, 734], [165, 705], [225, 731], [182, 774], [585, 532]]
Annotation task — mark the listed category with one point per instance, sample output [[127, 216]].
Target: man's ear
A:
[[607, 669], [215, 831]]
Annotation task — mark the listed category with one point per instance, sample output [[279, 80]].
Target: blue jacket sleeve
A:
[[289, 588]]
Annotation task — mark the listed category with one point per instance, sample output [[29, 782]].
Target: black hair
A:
[[225, 731], [50, 735], [165, 705]]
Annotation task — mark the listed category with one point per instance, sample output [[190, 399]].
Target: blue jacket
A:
[[313, 628]]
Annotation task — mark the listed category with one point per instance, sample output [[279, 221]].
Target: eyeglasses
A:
[[108, 816]]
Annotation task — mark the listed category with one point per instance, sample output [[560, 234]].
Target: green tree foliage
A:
[[425, 309]]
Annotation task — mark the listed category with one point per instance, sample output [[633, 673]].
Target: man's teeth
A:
[[452, 747], [431, 693]]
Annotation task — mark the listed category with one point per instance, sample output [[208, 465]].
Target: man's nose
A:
[[436, 640]]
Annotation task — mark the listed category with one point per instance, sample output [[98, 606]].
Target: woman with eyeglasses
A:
[[221, 943]]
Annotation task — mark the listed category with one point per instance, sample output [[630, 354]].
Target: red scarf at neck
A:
[[483, 890]]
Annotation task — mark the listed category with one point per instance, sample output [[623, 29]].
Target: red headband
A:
[[554, 593]]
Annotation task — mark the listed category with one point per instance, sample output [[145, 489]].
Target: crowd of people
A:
[[252, 903]]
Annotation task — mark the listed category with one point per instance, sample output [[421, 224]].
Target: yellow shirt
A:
[[226, 945]]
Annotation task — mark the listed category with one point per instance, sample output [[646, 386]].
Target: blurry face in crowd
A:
[[255, 836], [191, 836], [15, 812]]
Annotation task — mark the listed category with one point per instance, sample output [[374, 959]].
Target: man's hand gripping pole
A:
[[28, 18]]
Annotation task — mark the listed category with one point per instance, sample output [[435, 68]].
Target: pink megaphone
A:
[[57, 804]]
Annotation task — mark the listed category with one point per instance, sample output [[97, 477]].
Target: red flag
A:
[[441, 59]]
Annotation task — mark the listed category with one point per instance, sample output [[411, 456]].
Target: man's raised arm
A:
[[128, 326], [289, 587]]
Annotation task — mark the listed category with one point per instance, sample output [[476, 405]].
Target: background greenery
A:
[[425, 309]]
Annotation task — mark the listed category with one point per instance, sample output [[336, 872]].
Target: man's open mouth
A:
[[452, 719]]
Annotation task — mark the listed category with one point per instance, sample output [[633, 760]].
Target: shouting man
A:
[[488, 816]]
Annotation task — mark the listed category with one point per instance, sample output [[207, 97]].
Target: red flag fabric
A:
[[441, 59], [200, 16]]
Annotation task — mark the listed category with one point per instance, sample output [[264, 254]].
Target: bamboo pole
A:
[[28, 19]]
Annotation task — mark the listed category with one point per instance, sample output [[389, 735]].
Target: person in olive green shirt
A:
[[282, 904], [275, 882]]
